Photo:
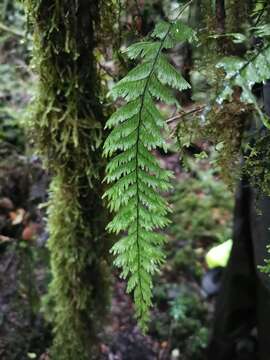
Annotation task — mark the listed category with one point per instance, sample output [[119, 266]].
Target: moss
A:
[[238, 14], [66, 121], [222, 127], [79, 289], [257, 163]]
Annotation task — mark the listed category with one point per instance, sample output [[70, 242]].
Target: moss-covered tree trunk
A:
[[66, 124]]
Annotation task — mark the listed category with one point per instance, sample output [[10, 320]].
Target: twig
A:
[[107, 71], [183, 114], [12, 31]]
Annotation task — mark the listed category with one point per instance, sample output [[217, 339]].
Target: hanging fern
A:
[[245, 74], [134, 171]]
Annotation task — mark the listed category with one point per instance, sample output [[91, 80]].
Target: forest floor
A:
[[180, 321]]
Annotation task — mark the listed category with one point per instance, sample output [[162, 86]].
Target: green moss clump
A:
[[79, 291], [257, 163], [222, 127], [65, 122]]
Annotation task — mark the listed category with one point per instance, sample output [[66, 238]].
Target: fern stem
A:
[[254, 57], [140, 122], [137, 151]]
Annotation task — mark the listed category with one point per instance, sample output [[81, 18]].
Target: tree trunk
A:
[[66, 123]]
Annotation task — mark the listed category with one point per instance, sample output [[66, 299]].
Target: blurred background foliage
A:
[[16, 83]]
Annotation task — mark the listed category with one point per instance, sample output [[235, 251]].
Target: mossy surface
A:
[[65, 123]]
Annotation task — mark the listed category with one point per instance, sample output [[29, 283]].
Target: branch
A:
[[183, 114], [11, 31]]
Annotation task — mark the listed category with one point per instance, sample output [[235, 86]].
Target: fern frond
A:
[[134, 172], [246, 73]]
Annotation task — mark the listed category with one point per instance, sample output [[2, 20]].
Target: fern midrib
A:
[[253, 58], [136, 157]]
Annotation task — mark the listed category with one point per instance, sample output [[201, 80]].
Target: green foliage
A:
[[260, 12], [14, 93], [136, 175], [186, 259], [185, 319], [188, 314], [202, 206], [228, 114], [245, 73], [201, 216], [222, 127], [257, 164], [183, 306], [16, 81]]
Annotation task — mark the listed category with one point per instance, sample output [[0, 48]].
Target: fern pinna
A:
[[134, 171]]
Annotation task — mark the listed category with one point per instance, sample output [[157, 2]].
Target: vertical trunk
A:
[[222, 42], [208, 25], [238, 14], [220, 16], [67, 121], [238, 18], [207, 14]]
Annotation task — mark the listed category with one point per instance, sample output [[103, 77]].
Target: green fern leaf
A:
[[246, 73], [162, 30], [262, 30], [144, 49], [161, 92], [167, 74], [181, 32], [134, 173]]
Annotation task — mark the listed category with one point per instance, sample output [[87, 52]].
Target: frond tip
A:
[[134, 172]]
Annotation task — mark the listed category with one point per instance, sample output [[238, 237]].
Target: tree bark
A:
[[220, 16]]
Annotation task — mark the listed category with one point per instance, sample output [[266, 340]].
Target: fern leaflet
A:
[[246, 73], [134, 171]]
